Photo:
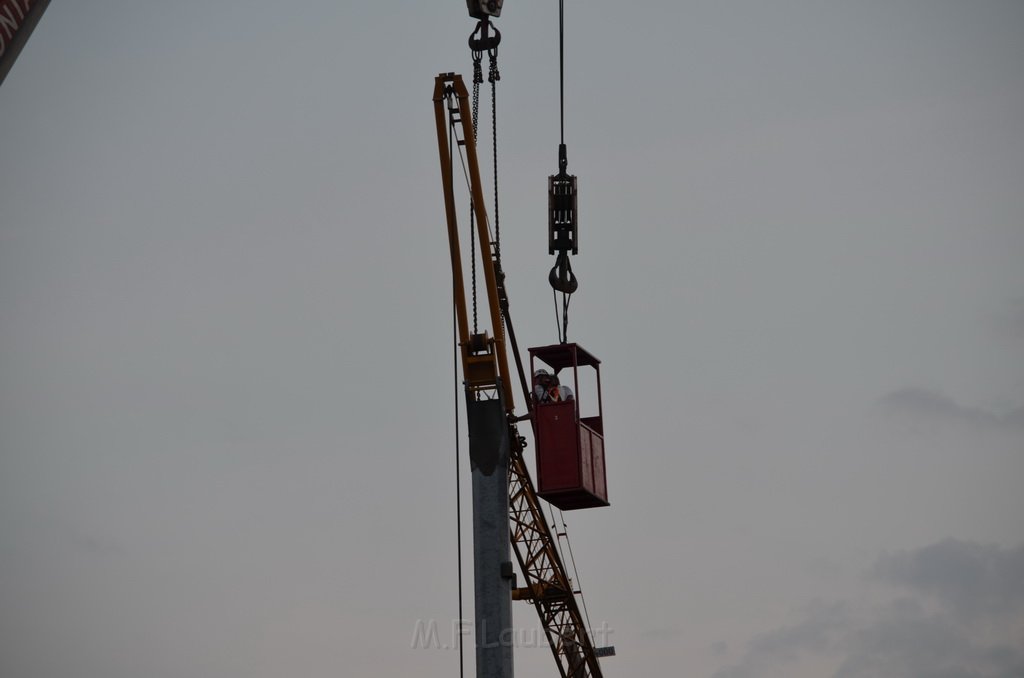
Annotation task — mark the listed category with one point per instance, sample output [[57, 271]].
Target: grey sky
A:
[[225, 363]]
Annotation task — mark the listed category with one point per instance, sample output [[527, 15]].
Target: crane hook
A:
[[561, 277], [486, 42]]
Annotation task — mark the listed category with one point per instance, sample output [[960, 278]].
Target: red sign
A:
[[17, 19]]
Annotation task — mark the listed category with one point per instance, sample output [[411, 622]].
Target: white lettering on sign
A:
[[12, 14], [8, 23]]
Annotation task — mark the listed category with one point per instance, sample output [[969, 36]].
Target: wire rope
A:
[[561, 69], [575, 571], [561, 326], [558, 325], [458, 452]]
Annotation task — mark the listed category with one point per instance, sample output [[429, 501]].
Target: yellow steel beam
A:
[[445, 84]]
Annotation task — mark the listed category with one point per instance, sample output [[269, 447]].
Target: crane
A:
[[507, 510], [507, 505]]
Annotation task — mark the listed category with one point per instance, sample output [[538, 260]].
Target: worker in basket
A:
[[546, 388]]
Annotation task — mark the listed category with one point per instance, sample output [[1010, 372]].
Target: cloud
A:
[[931, 405], [972, 581], [904, 641], [772, 652], [958, 614]]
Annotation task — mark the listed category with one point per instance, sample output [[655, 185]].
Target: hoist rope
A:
[[564, 534], [561, 70], [458, 492], [563, 330], [575, 571], [565, 317], [458, 453], [554, 301]]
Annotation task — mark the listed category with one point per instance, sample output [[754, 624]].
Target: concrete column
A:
[[492, 567]]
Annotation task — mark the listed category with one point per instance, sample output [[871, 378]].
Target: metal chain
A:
[[472, 257], [478, 78], [493, 76]]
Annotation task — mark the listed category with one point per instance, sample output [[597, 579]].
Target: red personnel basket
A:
[[570, 448]]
